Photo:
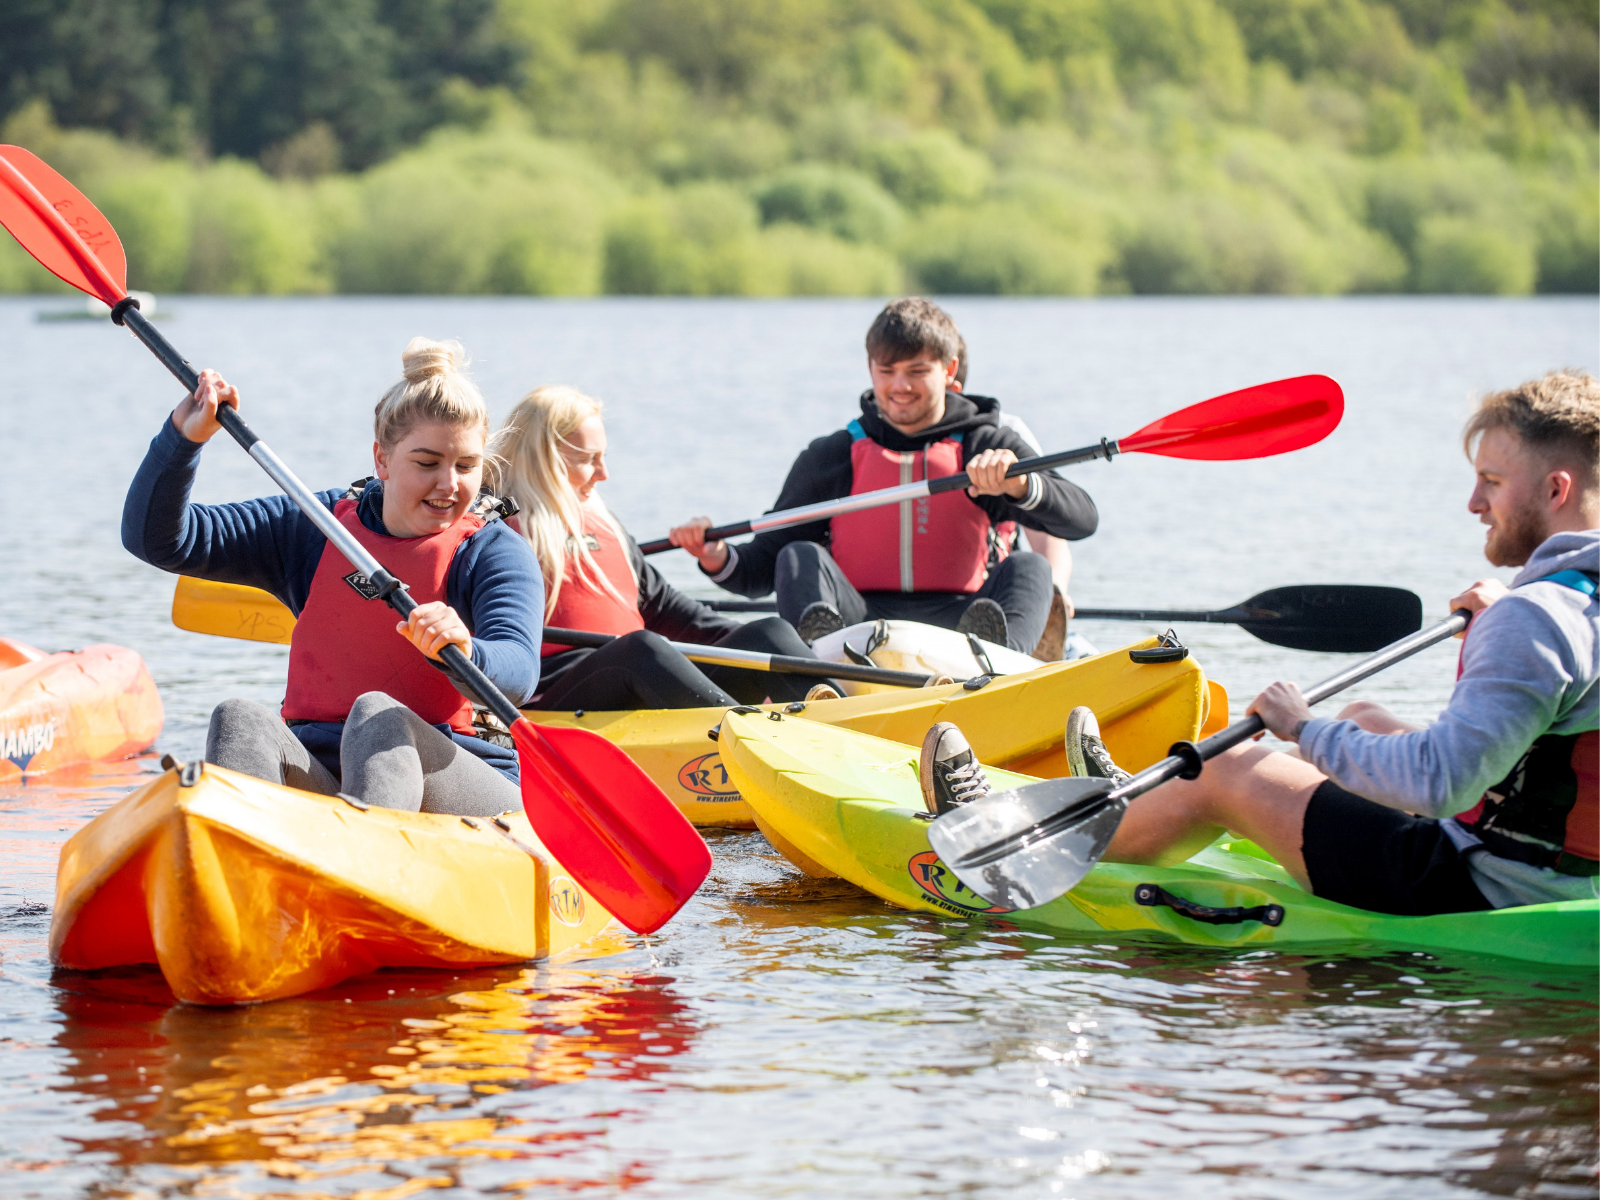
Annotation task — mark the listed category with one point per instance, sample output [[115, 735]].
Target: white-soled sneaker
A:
[[949, 771], [1087, 756]]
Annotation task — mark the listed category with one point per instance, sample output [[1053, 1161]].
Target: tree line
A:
[[793, 146]]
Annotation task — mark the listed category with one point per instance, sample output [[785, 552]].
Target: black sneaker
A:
[[984, 619], [948, 770], [1087, 756], [818, 621]]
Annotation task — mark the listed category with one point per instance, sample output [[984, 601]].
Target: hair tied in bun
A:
[[435, 389], [424, 358]]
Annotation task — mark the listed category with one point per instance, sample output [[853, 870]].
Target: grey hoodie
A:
[[1529, 666]]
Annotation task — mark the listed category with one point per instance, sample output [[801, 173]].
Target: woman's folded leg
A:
[[393, 758], [252, 739], [638, 670]]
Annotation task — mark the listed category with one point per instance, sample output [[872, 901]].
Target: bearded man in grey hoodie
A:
[[1494, 804]]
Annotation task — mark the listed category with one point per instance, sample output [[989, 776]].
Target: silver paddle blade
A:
[[1025, 847]]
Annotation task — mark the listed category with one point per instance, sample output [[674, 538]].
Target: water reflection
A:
[[795, 1036], [382, 1087]]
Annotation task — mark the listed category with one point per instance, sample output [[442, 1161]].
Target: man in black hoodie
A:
[[935, 560]]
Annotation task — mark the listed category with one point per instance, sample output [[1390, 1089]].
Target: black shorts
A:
[[1378, 858]]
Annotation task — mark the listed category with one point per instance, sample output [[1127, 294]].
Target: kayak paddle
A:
[[238, 611], [1256, 422], [1024, 847], [1337, 618], [599, 814]]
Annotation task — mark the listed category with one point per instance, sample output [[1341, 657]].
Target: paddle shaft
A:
[[1186, 762], [1226, 616], [753, 660], [1185, 759], [893, 495], [468, 676]]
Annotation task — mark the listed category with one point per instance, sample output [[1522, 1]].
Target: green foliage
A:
[[1000, 249], [1457, 254], [250, 235], [806, 147], [153, 212], [835, 199]]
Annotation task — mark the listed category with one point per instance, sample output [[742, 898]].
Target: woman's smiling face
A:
[[430, 477], [585, 456]]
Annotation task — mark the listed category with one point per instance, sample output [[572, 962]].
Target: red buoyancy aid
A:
[[935, 544], [345, 644], [583, 602], [1546, 811]]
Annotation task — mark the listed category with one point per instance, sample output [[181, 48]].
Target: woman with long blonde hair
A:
[[364, 713], [551, 453]]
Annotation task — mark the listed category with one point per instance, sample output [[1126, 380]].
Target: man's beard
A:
[[1513, 541]]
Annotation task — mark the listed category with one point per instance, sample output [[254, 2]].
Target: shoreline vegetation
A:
[[821, 147]]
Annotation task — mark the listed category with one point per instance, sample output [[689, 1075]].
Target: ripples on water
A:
[[786, 1036]]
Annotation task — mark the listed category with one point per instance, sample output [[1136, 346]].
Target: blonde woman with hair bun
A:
[[365, 714], [551, 455]]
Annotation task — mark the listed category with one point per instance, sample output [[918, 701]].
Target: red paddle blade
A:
[[56, 224], [1270, 418], [608, 824]]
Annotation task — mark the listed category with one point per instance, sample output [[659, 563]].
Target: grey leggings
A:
[[389, 756]]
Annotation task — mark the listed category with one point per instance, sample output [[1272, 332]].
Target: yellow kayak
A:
[[243, 890], [1016, 721]]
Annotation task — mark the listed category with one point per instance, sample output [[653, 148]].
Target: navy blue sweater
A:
[[494, 581]]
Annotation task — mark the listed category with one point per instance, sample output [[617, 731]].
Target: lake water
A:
[[784, 1037]]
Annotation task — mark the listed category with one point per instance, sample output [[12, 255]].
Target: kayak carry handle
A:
[[1153, 895]]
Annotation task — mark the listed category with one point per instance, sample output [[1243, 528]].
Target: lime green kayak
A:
[[848, 803]]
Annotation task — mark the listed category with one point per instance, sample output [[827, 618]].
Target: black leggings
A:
[[642, 670]]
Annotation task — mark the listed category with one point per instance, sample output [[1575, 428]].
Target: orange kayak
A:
[[72, 707], [243, 890]]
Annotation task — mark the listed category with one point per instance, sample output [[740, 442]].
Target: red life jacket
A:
[[935, 544], [344, 644], [583, 603], [1546, 811]]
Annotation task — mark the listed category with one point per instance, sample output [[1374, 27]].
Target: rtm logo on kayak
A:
[[566, 901], [21, 744], [940, 885], [707, 777]]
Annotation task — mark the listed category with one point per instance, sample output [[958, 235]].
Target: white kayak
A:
[[928, 649]]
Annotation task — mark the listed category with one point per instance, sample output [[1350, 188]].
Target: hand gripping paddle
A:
[[601, 816]]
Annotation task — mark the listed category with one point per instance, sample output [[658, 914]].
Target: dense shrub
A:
[[835, 199], [1456, 254], [251, 235], [1000, 250]]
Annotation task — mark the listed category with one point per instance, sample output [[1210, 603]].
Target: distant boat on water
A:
[[96, 310]]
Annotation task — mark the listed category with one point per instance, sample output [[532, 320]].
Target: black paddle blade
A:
[[1025, 847], [1339, 618]]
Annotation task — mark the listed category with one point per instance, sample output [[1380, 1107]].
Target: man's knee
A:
[[798, 559], [1375, 718], [1032, 570]]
